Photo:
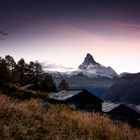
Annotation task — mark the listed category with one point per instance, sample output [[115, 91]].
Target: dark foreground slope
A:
[[126, 89], [25, 120]]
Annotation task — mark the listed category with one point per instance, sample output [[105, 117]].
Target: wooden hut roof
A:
[[66, 95], [126, 109]]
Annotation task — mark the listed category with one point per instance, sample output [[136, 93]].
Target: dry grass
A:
[[26, 120]]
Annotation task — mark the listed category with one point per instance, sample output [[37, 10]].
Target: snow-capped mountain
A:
[[93, 69], [89, 61], [90, 68]]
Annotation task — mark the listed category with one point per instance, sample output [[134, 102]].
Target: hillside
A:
[[30, 120], [126, 89]]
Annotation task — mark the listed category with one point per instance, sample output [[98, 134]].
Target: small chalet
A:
[[81, 99], [126, 114]]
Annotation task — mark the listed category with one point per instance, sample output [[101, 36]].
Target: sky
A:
[[59, 33]]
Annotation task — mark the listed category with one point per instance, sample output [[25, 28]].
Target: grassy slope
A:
[[29, 120]]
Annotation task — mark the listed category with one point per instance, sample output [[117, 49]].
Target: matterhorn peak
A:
[[90, 68], [89, 60]]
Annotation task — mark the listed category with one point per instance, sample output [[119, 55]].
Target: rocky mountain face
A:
[[89, 60], [126, 89], [91, 69]]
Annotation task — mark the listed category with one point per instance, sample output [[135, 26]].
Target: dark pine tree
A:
[[22, 70], [4, 73], [47, 84], [63, 85]]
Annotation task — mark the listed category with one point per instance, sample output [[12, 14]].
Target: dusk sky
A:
[[60, 33]]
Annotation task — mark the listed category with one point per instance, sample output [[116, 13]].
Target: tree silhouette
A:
[[63, 85], [22, 73], [38, 70], [4, 73], [22, 67], [48, 84], [34, 72], [10, 62], [13, 69]]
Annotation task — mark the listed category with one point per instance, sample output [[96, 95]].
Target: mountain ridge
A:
[[125, 89], [89, 68]]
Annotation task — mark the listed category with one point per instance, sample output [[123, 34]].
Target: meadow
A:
[[29, 119]]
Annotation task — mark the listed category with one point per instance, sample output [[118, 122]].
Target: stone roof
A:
[[66, 94]]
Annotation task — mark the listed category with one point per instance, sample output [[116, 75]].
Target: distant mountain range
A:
[[89, 68]]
